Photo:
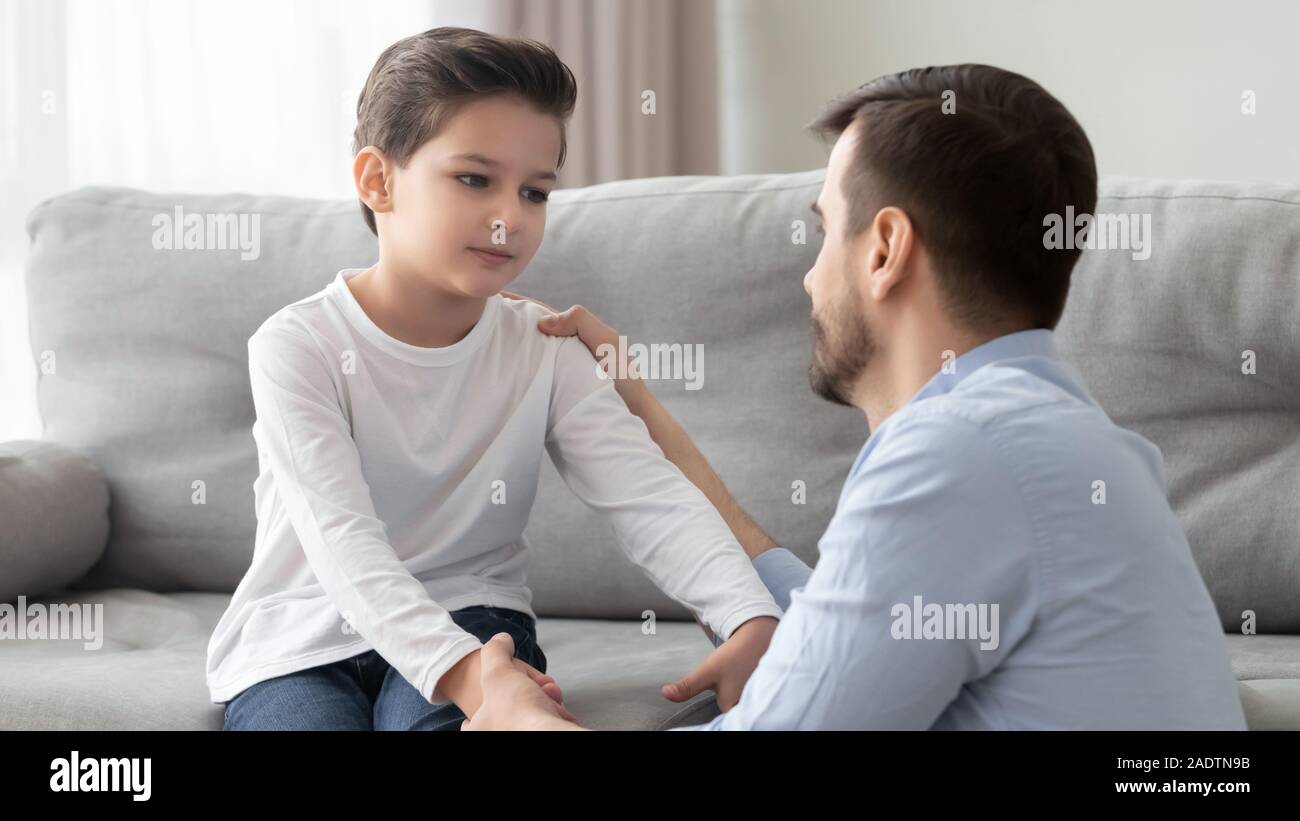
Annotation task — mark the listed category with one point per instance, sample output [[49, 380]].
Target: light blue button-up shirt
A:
[[1002, 556]]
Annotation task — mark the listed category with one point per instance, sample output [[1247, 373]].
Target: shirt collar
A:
[[1039, 342], [1034, 342], [414, 354]]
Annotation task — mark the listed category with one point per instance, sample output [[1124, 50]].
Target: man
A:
[[1002, 555]]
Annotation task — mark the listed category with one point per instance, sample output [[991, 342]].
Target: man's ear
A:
[[370, 173], [888, 249]]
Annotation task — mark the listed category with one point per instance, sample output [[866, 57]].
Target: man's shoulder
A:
[[1030, 426], [1001, 395], [1004, 420]]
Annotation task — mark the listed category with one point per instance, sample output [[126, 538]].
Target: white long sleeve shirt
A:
[[395, 482]]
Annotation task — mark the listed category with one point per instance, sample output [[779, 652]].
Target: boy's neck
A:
[[413, 311]]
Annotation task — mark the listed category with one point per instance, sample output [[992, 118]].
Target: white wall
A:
[[1157, 84]]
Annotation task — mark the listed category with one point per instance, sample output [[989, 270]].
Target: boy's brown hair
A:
[[420, 82]]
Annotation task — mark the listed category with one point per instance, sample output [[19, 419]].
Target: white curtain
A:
[[259, 96]]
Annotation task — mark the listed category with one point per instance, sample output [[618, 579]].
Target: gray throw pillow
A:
[[54, 510]]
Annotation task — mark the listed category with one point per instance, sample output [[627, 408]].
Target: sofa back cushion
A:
[[1197, 348], [145, 365]]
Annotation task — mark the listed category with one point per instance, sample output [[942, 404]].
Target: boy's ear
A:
[[370, 172]]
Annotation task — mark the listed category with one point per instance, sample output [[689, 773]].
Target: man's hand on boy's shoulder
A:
[[593, 332], [576, 321], [589, 328], [726, 670]]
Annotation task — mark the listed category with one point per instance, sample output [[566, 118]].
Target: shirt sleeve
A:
[[782, 573], [304, 436], [933, 518], [663, 522]]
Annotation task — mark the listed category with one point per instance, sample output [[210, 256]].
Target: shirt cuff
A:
[[782, 572], [449, 659], [733, 621]]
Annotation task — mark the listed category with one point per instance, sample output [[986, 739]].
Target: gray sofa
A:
[[139, 494]]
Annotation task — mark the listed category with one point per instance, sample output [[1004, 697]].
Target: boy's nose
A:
[[505, 220], [500, 232]]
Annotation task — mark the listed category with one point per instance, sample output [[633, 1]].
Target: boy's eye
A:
[[821, 229], [534, 195]]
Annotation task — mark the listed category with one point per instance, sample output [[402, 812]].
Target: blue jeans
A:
[[365, 693]]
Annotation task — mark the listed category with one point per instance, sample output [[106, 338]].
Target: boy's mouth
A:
[[491, 257]]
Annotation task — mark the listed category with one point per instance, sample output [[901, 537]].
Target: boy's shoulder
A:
[[308, 320], [523, 309], [518, 320], [306, 308], [293, 322], [568, 355]]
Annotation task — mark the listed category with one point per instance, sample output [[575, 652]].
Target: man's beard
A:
[[840, 352]]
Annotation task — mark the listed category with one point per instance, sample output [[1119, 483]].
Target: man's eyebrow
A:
[[816, 209], [491, 163]]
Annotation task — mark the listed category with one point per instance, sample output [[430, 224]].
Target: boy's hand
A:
[[510, 700], [727, 668], [462, 683]]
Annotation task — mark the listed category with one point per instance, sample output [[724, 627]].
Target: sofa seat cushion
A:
[[1268, 674], [148, 670]]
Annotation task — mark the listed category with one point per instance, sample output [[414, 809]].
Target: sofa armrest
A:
[[54, 506]]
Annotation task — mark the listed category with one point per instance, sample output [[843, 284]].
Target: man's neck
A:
[[898, 371], [413, 311]]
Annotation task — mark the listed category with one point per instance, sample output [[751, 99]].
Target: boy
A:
[[401, 416]]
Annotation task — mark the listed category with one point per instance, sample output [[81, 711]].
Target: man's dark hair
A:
[[420, 82], [976, 183]]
